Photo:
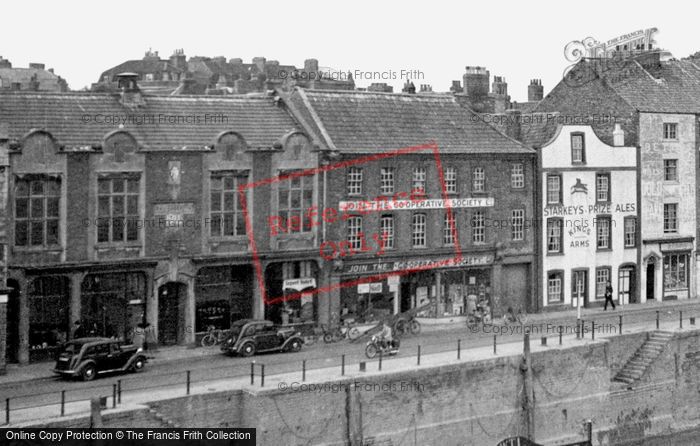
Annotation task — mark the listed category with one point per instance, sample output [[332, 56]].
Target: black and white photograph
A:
[[350, 223]]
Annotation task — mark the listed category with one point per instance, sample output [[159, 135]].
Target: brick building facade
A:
[[134, 217], [487, 175]]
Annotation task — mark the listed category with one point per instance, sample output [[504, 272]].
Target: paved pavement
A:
[[33, 391]]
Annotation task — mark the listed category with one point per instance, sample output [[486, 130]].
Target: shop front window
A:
[[112, 303], [675, 271], [48, 315], [222, 296]]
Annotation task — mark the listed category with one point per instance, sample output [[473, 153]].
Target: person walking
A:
[[608, 296], [79, 330]]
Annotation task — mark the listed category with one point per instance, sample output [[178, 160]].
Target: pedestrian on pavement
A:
[[608, 296], [78, 331]]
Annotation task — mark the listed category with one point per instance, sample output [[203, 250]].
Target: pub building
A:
[[417, 251], [123, 212], [590, 214]]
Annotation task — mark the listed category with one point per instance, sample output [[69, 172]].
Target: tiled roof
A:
[[672, 87], [372, 121], [71, 118], [141, 66], [538, 129]]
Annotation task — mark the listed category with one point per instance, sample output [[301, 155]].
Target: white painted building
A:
[[589, 210]]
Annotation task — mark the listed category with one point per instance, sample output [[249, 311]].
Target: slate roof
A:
[[357, 121], [46, 78], [140, 66], [71, 118], [672, 87]]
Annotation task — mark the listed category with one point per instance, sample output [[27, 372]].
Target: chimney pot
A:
[[618, 136]]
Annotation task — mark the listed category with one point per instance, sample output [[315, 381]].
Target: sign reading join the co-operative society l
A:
[[393, 205]]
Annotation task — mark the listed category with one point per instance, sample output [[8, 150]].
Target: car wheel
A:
[[327, 338], [295, 345], [139, 364], [247, 349], [89, 372]]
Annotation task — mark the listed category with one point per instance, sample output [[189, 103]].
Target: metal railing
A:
[[256, 370]]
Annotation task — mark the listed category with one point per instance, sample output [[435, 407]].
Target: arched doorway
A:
[[170, 312], [12, 342]]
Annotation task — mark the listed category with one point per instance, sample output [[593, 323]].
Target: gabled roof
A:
[[140, 66], [671, 87], [356, 121], [82, 119]]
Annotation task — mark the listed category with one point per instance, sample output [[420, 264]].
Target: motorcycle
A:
[[377, 345]]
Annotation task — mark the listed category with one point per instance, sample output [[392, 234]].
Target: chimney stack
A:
[[37, 66], [259, 63], [311, 65], [535, 91], [130, 93], [4, 63], [500, 86], [513, 120], [618, 136], [476, 82], [178, 59]]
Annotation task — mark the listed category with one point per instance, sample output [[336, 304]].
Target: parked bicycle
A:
[[406, 325], [311, 339], [213, 337], [340, 332]]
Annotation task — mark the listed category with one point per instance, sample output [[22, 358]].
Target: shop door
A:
[[169, 296], [12, 344], [405, 297], [579, 290], [625, 285]]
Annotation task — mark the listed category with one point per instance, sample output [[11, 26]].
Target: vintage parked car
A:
[[250, 336], [88, 357]]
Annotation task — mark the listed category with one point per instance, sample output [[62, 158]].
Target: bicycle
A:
[[340, 332], [213, 337], [405, 326], [313, 338]]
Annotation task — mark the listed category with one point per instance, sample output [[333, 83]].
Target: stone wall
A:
[[473, 403]]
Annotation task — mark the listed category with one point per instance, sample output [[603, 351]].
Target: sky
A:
[[520, 40]]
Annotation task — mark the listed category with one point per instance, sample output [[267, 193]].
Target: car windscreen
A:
[[72, 348]]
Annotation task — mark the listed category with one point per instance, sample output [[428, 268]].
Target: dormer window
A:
[[578, 148]]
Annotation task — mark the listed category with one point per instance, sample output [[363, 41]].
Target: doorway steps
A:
[[652, 348]]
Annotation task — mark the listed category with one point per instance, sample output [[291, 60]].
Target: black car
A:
[[88, 357], [249, 336]]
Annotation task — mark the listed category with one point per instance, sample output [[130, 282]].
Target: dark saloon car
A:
[[250, 336], [89, 357]]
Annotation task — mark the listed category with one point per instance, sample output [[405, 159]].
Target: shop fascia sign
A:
[[299, 284], [369, 288], [402, 265], [411, 205]]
